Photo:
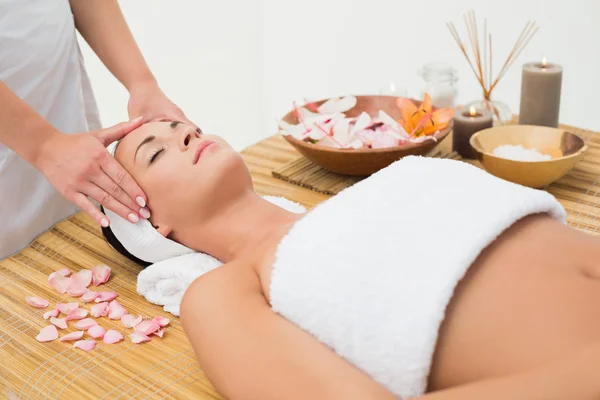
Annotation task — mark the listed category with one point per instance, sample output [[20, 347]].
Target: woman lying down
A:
[[429, 280]]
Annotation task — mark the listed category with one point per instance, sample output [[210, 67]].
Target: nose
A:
[[185, 138]]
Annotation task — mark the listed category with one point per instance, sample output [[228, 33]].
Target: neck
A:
[[244, 225]]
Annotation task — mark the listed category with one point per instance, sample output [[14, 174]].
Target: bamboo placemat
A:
[[578, 191]]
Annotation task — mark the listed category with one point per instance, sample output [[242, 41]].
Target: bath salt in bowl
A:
[[533, 156]]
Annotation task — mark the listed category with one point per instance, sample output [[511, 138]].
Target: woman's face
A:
[[187, 176]]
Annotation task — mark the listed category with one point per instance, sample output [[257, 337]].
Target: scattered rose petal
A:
[[47, 334], [86, 345], [75, 289], [116, 310], [100, 274], [106, 296], [85, 324], [147, 327], [96, 332], [37, 302], [59, 322], [78, 313], [129, 321], [72, 336], [139, 338], [111, 336], [51, 313], [88, 296], [64, 272], [82, 278], [99, 310], [59, 282], [66, 308], [161, 321], [159, 333]]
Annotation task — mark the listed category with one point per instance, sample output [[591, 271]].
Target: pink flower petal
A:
[[106, 296], [51, 313], [37, 302], [66, 308], [64, 272], [159, 333], [96, 331], [59, 282], [161, 321], [111, 336], [99, 310], [72, 336], [47, 334], [147, 327], [139, 338], [86, 345], [75, 289], [82, 278], [59, 322], [129, 321], [78, 313], [100, 274], [116, 310], [85, 324], [89, 296]]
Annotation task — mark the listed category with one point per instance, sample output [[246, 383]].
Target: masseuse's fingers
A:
[[87, 206], [113, 169], [109, 186], [109, 202]]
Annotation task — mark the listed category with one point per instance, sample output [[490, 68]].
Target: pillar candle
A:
[[540, 94], [466, 124]]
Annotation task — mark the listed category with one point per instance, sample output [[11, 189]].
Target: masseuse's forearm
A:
[[21, 128], [102, 25]]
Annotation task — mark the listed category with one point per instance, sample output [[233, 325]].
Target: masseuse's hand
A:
[[79, 166], [147, 100]]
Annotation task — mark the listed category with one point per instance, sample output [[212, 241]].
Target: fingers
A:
[[87, 206], [117, 132], [109, 202], [117, 173], [109, 186]]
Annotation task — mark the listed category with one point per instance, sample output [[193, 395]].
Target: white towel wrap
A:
[[371, 271]]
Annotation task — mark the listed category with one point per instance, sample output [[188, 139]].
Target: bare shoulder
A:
[[211, 292]]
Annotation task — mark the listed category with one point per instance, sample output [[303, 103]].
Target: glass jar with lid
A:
[[440, 83]]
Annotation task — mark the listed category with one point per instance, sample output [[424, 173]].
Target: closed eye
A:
[[155, 155]]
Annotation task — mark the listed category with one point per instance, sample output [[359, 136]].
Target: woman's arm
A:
[[249, 352], [102, 25]]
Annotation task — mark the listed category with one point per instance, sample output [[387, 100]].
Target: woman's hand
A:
[[148, 101], [79, 166]]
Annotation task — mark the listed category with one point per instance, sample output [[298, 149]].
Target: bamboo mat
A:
[[164, 368], [578, 191]]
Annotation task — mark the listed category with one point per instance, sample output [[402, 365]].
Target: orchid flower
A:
[[422, 121]]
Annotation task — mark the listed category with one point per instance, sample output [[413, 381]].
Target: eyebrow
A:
[[148, 139]]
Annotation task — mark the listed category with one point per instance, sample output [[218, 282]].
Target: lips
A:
[[200, 149]]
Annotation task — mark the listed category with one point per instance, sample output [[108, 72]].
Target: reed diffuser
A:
[[481, 62]]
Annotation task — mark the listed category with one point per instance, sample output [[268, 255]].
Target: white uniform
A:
[[40, 62]]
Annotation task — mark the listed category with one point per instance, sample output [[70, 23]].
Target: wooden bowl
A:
[[566, 149], [362, 162]]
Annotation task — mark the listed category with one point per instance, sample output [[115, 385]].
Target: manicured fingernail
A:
[[133, 218], [140, 200], [136, 119], [144, 212], [104, 222]]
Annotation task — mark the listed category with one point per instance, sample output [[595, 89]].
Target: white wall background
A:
[[235, 66]]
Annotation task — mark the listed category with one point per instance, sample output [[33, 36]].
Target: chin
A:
[[228, 174]]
